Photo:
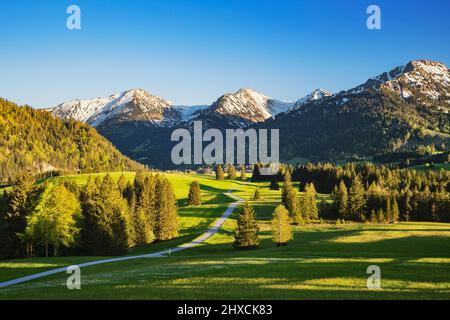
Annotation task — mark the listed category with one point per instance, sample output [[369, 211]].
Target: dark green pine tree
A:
[[19, 206], [357, 199], [246, 234], [166, 226], [388, 215], [195, 196], [231, 172], [340, 196], [395, 212], [144, 214], [107, 226], [115, 212], [287, 186], [219, 173]]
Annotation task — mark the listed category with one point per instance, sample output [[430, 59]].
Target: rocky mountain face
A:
[[241, 108], [131, 105], [316, 95], [245, 107], [381, 115]]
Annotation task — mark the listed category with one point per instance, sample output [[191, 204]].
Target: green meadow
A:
[[324, 261]]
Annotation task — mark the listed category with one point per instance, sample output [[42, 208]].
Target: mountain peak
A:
[[316, 95], [133, 104], [424, 77], [249, 105]]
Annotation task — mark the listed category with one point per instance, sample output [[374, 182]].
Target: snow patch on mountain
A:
[[316, 95], [187, 113], [426, 77], [249, 105], [135, 104]]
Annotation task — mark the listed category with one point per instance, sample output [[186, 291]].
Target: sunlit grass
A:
[[322, 262]]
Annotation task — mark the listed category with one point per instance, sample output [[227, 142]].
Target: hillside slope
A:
[[33, 140], [387, 113]]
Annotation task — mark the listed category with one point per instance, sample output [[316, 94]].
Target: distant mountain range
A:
[[137, 105], [406, 106]]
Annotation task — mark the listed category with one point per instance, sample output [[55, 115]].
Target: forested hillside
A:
[[369, 123], [35, 141]]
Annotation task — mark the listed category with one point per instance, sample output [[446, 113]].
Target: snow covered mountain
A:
[[421, 77], [131, 105], [138, 105], [316, 95], [247, 105], [379, 116]]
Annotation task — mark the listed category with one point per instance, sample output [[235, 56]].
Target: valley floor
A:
[[325, 261]]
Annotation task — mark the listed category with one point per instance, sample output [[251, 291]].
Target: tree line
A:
[[104, 217], [365, 192]]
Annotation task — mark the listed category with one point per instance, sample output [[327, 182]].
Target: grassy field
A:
[[323, 262]]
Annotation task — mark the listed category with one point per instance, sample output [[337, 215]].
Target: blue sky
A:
[[193, 51]]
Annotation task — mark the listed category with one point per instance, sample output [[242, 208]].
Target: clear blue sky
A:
[[192, 51]]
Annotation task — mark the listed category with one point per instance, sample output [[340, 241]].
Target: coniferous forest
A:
[[105, 217], [364, 192]]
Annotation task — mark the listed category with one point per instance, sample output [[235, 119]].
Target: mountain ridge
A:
[[383, 114]]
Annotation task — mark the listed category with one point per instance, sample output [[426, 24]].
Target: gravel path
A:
[[202, 238]]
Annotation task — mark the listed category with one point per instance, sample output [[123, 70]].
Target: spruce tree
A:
[[340, 196], [287, 177], [388, 215], [107, 226], [395, 214], [281, 226], [243, 173], [381, 217], [246, 233], [143, 214], [357, 200], [194, 197], [287, 186], [293, 206], [219, 173], [19, 207], [373, 216], [115, 212], [166, 226], [231, 172], [308, 204]]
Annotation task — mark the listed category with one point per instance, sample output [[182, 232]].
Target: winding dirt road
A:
[[214, 228]]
